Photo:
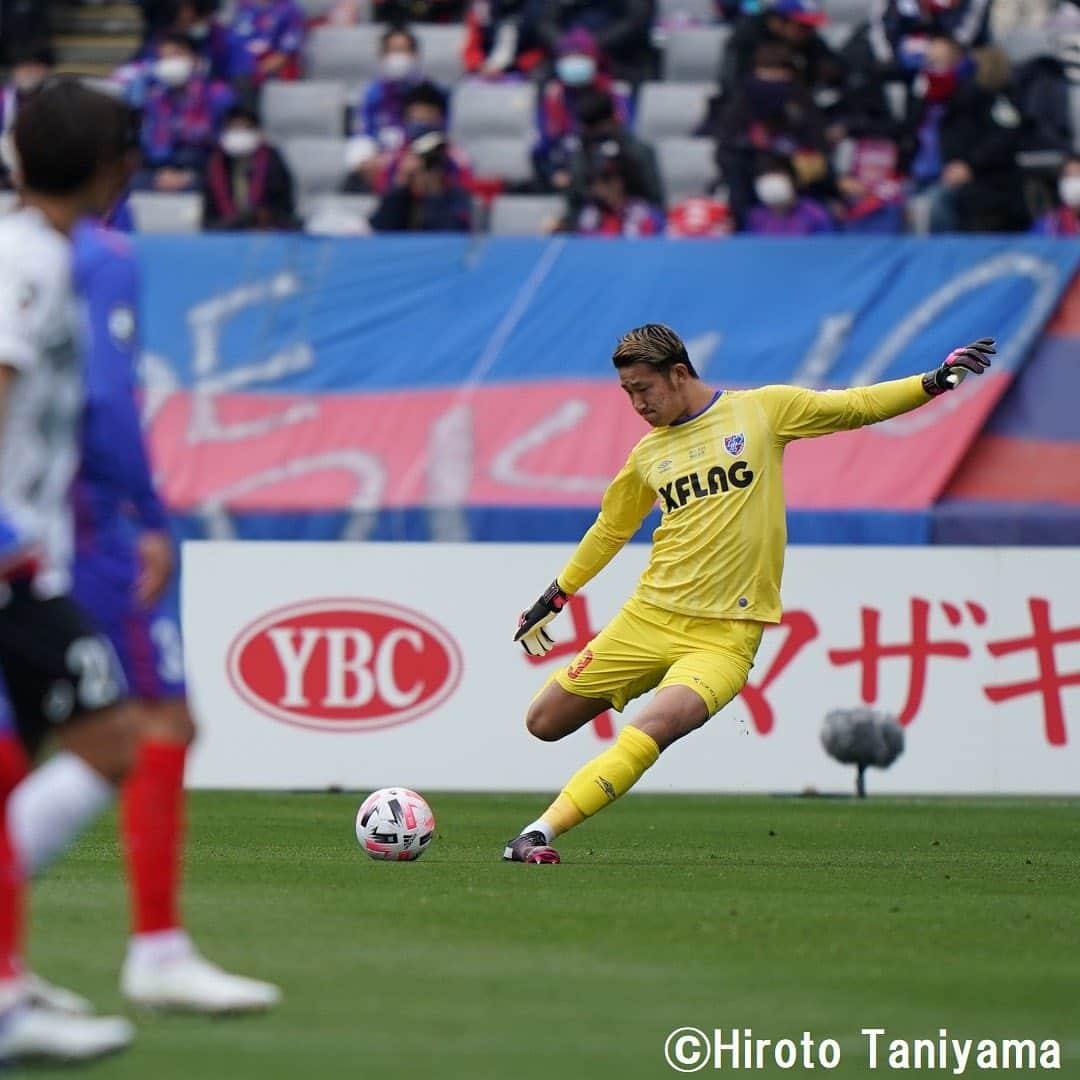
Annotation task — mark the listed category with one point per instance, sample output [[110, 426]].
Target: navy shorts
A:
[[147, 640], [57, 666]]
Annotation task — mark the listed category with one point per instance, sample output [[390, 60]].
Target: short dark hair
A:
[[180, 40], [33, 52], [654, 344], [66, 132], [772, 163], [393, 31], [426, 93], [240, 112]]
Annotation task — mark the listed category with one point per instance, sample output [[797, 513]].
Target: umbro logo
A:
[[607, 788]]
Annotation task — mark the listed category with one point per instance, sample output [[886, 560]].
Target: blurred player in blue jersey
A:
[[124, 565], [68, 156]]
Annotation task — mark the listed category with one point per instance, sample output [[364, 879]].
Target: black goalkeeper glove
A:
[[973, 359], [530, 632]]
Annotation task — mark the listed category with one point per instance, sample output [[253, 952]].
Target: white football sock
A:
[[52, 806], [540, 826], [159, 947]]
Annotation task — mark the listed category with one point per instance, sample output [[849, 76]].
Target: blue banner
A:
[[381, 342]]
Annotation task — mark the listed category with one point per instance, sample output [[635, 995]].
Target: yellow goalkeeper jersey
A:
[[718, 476]]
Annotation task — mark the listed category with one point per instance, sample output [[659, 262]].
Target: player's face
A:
[[655, 395]]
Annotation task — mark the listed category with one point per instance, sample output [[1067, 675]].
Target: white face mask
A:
[[174, 70], [1069, 190], [398, 65], [775, 189], [575, 69], [240, 142]]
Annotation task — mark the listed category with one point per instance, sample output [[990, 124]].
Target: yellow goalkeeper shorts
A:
[[645, 647]]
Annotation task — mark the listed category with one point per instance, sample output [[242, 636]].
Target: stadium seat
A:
[[524, 215], [687, 166], [161, 212], [666, 109], [698, 12], [917, 212], [338, 214], [485, 110], [1074, 114], [1025, 43], [852, 12], [693, 55], [507, 156], [317, 164], [440, 52], [837, 34], [316, 9], [303, 108], [350, 53]]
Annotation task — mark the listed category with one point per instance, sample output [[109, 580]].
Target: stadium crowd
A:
[[607, 117]]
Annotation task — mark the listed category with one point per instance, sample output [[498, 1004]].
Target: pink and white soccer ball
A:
[[395, 823]]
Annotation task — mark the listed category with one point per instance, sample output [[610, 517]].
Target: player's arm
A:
[[798, 413], [113, 444], [623, 508]]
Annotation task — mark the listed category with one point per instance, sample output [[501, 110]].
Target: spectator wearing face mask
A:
[[614, 206], [426, 194], [577, 73], [424, 114], [1064, 219], [599, 126], [900, 31], [248, 184], [381, 112], [781, 211], [965, 139], [210, 38], [793, 24], [182, 115], [1043, 86], [772, 113], [30, 67], [267, 36], [621, 28], [500, 40]]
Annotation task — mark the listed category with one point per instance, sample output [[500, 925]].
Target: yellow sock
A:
[[602, 780]]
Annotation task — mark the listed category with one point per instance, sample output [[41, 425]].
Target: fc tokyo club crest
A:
[[734, 444]]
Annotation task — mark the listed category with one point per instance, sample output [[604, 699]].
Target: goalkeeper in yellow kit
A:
[[714, 461]]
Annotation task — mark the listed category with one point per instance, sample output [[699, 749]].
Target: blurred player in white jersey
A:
[[70, 146], [123, 566]]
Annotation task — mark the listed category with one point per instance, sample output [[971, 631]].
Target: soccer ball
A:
[[395, 823]]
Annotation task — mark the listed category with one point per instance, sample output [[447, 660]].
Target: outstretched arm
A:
[[624, 506], [797, 413]]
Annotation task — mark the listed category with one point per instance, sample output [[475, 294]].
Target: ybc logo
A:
[[344, 665]]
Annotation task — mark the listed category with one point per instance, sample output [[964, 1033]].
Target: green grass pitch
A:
[[780, 915]]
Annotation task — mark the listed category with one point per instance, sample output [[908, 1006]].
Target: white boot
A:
[[30, 1032], [54, 998], [170, 974]]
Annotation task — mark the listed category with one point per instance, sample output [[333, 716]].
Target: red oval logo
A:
[[344, 665]]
